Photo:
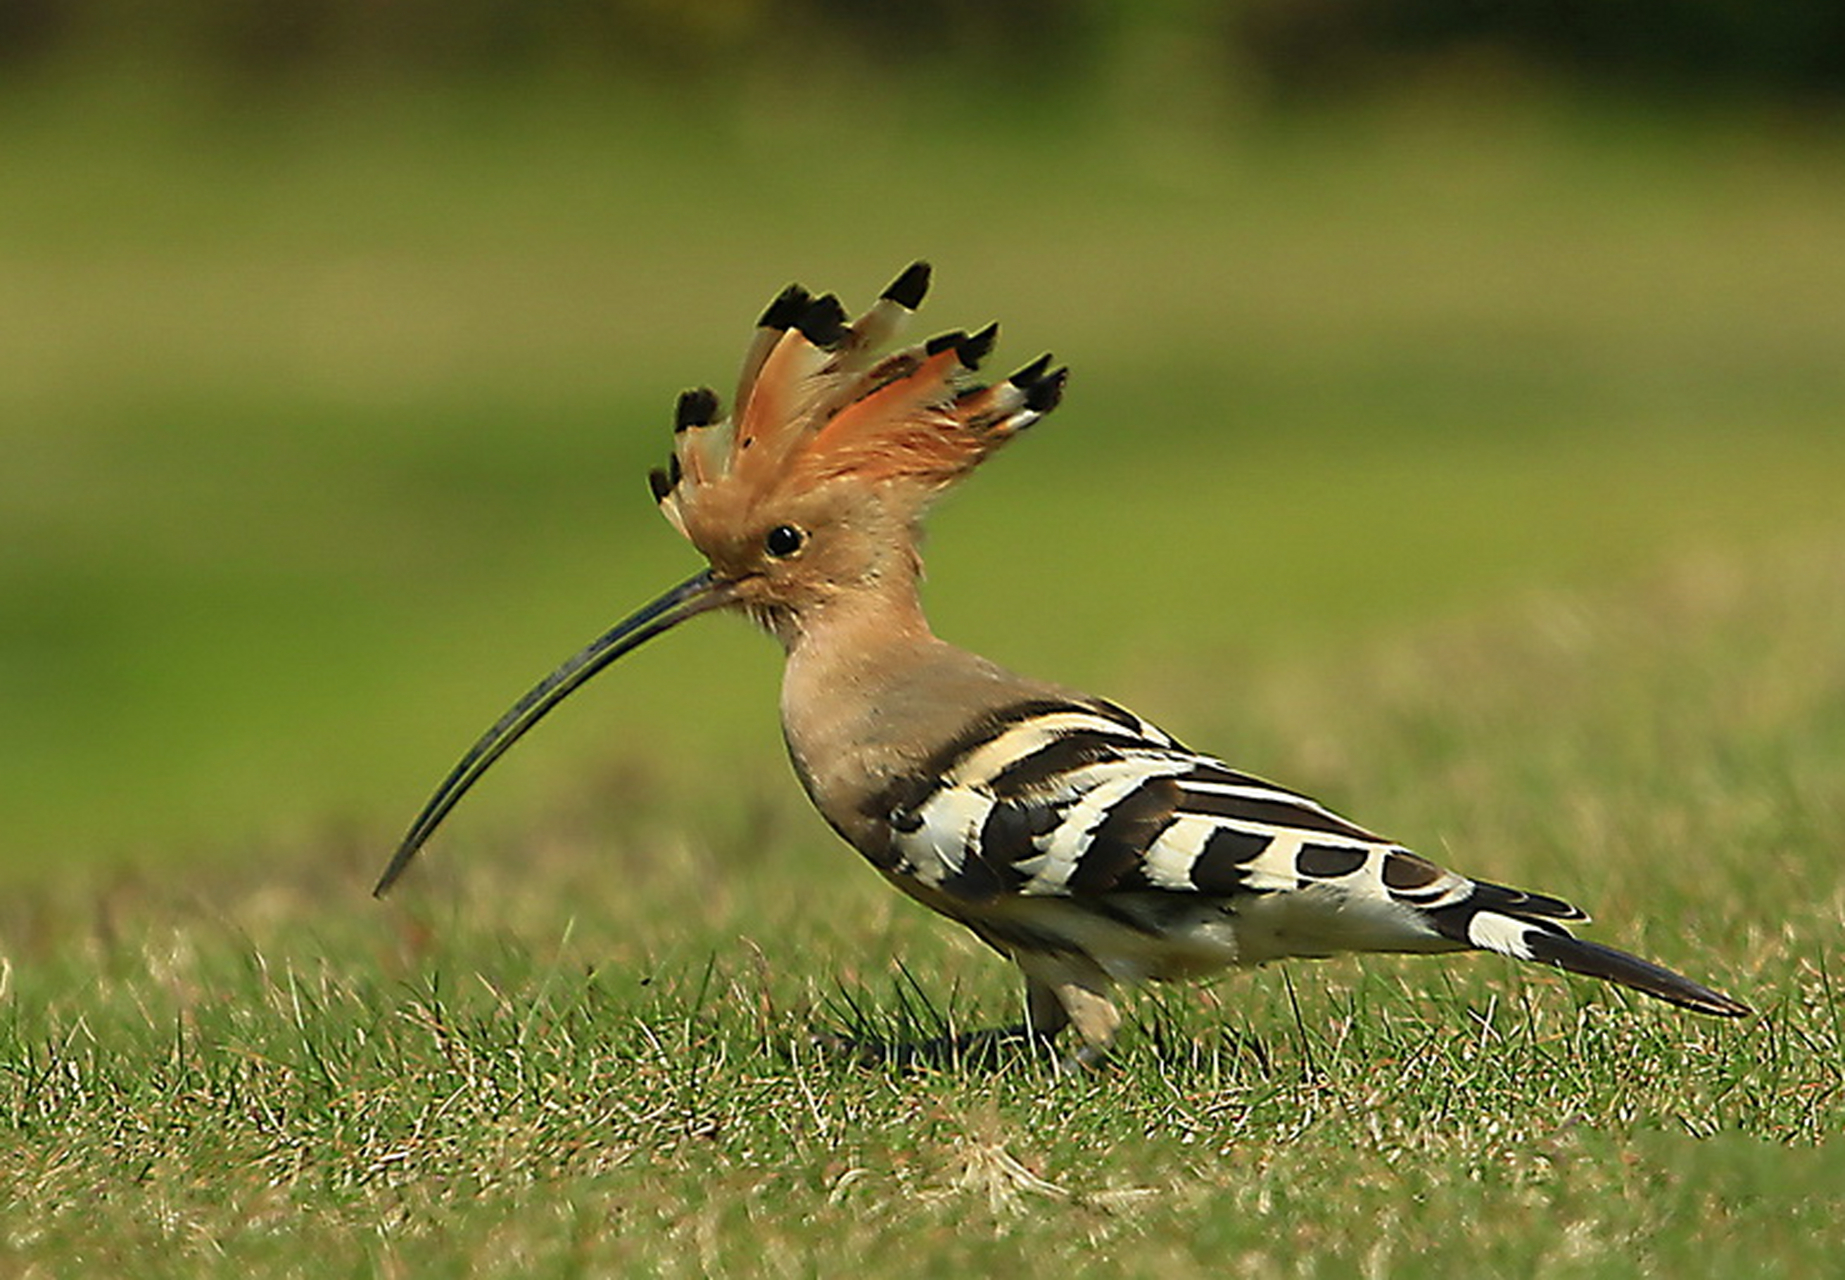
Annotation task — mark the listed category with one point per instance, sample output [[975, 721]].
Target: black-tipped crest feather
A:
[[1047, 392], [1031, 372], [696, 408], [787, 308], [823, 322], [907, 290], [971, 350]]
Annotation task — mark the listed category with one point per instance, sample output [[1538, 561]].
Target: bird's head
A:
[[813, 486], [816, 481]]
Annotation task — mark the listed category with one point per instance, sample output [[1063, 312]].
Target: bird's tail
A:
[[1528, 926]]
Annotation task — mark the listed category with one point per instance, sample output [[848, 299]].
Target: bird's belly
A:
[[1159, 937], [1133, 937]]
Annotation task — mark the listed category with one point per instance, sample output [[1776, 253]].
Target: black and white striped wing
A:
[[1084, 807], [1073, 800]]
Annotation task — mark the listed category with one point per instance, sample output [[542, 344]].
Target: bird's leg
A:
[[1068, 990], [1045, 1014], [1085, 1004]]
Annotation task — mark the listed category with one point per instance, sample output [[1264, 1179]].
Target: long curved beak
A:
[[698, 594]]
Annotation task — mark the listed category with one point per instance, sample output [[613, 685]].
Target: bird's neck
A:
[[881, 614], [870, 695], [845, 655]]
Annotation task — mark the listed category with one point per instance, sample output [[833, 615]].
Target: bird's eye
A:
[[783, 541]]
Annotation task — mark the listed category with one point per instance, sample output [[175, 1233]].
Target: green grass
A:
[[585, 1048], [1476, 470]]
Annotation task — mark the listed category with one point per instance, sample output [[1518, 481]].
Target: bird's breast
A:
[[868, 733]]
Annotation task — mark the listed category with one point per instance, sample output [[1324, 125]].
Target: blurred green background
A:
[[336, 339]]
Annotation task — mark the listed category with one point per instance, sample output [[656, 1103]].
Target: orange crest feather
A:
[[816, 403]]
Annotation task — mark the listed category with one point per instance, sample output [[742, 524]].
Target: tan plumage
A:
[[1075, 838]]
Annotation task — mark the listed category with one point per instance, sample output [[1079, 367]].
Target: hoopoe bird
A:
[[1076, 839]]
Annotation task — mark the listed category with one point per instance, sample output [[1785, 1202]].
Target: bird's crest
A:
[[818, 401]]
